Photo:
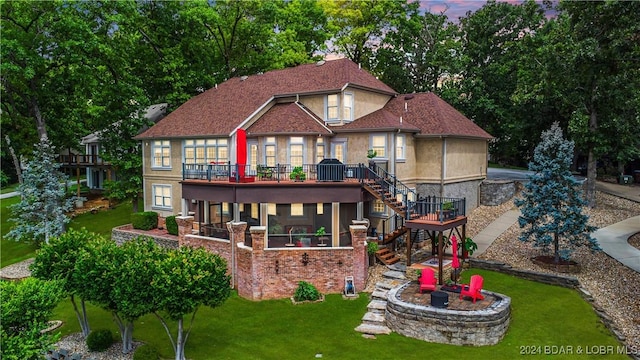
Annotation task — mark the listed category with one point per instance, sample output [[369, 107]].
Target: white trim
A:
[[245, 121]]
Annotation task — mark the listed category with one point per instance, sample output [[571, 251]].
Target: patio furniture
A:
[[427, 280], [439, 299], [473, 290]]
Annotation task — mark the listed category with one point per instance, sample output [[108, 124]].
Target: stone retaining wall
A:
[[560, 280], [124, 233], [475, 327], [497, 192]]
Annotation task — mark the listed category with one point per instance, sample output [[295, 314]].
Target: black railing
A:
[[437, 208]]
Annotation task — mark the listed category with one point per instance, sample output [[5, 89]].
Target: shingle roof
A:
[[220, 110], [288, 118], [424, 111]]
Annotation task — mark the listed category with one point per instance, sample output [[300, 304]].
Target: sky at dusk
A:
[[455, 9]]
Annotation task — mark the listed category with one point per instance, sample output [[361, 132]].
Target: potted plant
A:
[[372, 247], [370, 155], [470, 246], [297, 174], [321, 234], [448, 210], [264, 172]]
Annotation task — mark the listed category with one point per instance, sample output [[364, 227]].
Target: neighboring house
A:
[[96, 169], [229, 155]]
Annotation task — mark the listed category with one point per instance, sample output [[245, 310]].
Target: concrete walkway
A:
[[613, 241], [485, 237]]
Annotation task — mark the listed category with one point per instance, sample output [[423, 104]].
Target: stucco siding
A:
[[466, 159]]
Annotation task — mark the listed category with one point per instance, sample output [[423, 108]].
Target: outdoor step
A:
[[382, 251], [373, 318], [387, 284], [394, 275], [373, 329], [386, 256], [379, 294], [377, 306]]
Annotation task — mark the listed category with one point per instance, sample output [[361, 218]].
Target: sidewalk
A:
[[629, 192], [485, 237]]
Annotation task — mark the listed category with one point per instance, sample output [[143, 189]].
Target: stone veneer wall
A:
[[275, 272], [477, 327], [464, 189], [496, 192], [124, 233]]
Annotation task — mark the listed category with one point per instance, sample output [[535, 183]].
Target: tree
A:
[[26, 307], [359, 25], [419, 52], [137, 266], [187, 279], [496, 45], [57, 260], [596, 46], [551, 202], [41, 212]]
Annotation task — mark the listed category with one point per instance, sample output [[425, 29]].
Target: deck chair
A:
[[427, 280], [473, 290]]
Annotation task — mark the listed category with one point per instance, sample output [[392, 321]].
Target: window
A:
[[203, 151], [332, 107], [161, 153], [319, 208], [252, 154], [297, 209], [379, 145], [270, 151], [162, 196], [400, 147], [347, 107], [319, 150], [296, 151], [377, 207]]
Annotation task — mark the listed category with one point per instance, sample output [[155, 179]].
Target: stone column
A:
[[185, 227], [358, 241]]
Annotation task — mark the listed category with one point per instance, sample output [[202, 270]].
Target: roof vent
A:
[[320, 63], [243, 77], [409, 97]]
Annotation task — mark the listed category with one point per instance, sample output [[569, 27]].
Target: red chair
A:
[[473, 289], [427, 280]]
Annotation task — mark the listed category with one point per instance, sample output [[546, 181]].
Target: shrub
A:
[[172, 225], [99, 340], [146, 352], [146, 220], [372, 247], [306, 291]]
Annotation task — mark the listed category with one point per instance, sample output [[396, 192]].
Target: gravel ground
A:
[[634, 241]]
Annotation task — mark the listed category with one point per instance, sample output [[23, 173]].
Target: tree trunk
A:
[[16, 163], [82, 317], [592, 170], [134, 204], [180, 342], [556, 246]]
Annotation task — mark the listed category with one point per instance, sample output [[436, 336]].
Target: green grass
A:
[[9, 188], [12, 252], [542, 315]]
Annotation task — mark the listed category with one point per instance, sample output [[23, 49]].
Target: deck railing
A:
[[278, 172], [436, 208], [81, 159]]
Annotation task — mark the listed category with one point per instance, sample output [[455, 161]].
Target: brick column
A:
[[236, 229], [256, 278], [358, 241], [257, 238], [185, 227]]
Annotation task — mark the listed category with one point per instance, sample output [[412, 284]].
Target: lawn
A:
[[542, 315], [101, 223]]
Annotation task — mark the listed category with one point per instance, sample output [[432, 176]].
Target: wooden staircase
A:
[[380, 193], [387, 256], [392, 236]]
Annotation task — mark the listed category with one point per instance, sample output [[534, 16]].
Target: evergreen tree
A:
[[41, 212], [552, 201]]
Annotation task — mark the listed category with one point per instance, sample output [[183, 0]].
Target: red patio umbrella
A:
[[241, 151], [455, 262]]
